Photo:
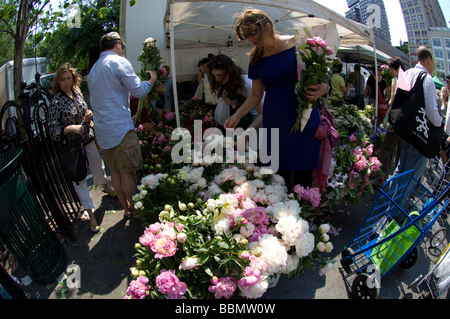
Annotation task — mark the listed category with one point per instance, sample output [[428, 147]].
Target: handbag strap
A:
[[419, 80]]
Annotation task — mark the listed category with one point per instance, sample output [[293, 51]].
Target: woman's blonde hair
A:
[[255, 17], [58, 76], [444, 88]]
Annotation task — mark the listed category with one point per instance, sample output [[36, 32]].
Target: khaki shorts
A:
[[125, 157]]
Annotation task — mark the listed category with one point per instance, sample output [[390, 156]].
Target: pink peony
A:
[[138, 288], [169, 116], [224, 287], [163, 246], [311, 42], [320, 42], [169, 284]]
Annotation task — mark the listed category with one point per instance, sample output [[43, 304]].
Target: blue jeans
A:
[[409, 159]]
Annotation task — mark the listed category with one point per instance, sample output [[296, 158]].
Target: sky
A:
[[394, 15]]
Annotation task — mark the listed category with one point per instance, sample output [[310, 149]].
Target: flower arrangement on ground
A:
[[222, 231], [353, 166], [155, 136], [312, 69]]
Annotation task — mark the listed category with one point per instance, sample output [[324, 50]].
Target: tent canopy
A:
[[438, 82], [210, 23], [360, 54]]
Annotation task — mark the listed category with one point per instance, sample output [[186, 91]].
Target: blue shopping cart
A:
[[403, 213]]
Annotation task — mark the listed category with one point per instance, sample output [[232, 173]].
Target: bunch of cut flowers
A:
[[313, 68], [151, 59]]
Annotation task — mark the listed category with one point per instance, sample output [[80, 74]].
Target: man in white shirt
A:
[[110, 81], [410, 158]]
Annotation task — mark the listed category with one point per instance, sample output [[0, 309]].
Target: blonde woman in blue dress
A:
[[273, 70]]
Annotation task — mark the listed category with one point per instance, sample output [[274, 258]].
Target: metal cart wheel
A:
[[410, 260], [361, 290], [438, 237]]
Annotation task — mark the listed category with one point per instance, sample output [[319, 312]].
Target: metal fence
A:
[[26, 125]]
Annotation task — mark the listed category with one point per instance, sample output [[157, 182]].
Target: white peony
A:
[[292, 263], [247, 189], [222, 226], [256, 290], [247, 230], [305, 246], [273, 252], [189, 263]]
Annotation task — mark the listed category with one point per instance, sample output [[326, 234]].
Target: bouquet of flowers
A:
[[312, 69], [221, 232], [387, 75], [151, 60]]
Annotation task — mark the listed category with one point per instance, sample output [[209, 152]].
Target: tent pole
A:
[[174, 73], [376, 83]]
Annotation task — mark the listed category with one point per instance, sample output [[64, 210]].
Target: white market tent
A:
[[193, 23]]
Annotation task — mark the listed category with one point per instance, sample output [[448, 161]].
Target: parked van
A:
[[30, 67]]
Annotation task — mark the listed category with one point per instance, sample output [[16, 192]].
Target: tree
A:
[[18, 17], [403, 47]]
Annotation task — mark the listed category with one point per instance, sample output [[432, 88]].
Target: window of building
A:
[[447, 42], [438, 53], [411, 11], [424, 33], [423, 25], [418, 10], [412, 41], [436, 42], [420, 17], [417, 33], [419, 42], [426, 41], [415, 26]]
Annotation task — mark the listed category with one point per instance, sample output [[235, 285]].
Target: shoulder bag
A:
[[73, 158], [409, 121]]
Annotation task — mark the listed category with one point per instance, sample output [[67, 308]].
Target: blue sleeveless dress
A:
[[298, 151]]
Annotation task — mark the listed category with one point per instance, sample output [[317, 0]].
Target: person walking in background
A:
[[410, 157], [391, 140], [70, 118], [111, 81], [273, 70], [371, 92], [359, 83]]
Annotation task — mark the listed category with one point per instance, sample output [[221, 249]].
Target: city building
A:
[[363, 11], [425, 24]]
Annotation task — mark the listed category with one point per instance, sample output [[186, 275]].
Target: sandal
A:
[[127, 216], [95, 229]]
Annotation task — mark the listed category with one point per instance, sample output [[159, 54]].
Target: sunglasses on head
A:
[[249, 32]]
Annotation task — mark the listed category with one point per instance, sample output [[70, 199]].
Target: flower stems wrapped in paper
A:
[[314, 57]]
